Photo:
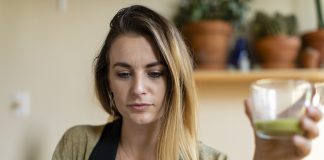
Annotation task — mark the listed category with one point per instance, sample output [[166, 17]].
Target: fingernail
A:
[[298, 140], [306, 123]]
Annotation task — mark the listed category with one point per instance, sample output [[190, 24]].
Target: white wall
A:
[[50, 53], [223, 124]]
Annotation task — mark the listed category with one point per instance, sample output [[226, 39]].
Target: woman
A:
[[144, 81]]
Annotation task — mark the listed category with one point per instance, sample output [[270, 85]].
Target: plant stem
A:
[[319, 14]]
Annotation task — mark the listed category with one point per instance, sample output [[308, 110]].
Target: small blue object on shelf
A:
[[239, 57]]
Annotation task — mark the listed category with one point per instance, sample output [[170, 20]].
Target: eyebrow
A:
[[126, 65]]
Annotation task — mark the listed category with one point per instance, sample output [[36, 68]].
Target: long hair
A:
[[178, 133]]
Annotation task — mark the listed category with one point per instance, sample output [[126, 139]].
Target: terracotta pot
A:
[[310, 58], [279, 51], [209, 41], [315, 40]]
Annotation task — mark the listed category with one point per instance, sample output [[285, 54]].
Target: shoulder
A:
[[77, 141], [83, 131], [209, 153]]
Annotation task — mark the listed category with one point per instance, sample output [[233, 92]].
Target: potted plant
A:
[[207, 26], [275, 40], [315, 39]]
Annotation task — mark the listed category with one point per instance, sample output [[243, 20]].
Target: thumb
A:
[[248, 110], [248, 113]]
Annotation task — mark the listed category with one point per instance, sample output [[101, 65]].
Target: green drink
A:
[[278, 105], [278, 127]]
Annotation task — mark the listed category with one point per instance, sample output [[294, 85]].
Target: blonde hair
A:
[[178, 133]]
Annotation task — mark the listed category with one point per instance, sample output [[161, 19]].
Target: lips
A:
[[139, 107]]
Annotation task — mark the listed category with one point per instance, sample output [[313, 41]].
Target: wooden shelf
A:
[[202, 76]]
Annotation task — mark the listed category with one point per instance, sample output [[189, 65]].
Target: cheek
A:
[[161, 90], [119, 92]]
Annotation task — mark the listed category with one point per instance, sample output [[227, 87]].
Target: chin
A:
[[143, 120]]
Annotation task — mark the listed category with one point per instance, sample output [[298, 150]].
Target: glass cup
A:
[[277, 105], [318, 99]]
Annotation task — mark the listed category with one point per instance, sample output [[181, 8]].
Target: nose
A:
[[138, 87]]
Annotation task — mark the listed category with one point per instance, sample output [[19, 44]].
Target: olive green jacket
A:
[[79, 141]]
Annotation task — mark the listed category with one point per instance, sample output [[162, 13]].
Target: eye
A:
[[123, 75], [155, 74]]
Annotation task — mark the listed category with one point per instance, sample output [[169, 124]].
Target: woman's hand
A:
[[295, 148]]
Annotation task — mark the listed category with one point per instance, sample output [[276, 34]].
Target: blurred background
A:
[[47, 48]]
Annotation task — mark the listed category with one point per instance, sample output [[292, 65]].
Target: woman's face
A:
[[137, 78]]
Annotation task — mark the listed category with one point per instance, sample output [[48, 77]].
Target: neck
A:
[[139, 141]]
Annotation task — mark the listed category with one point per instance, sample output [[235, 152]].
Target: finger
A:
[[314, 113], [310, 128], [302, 146]]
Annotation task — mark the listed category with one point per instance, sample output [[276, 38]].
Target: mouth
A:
[[139, 107]]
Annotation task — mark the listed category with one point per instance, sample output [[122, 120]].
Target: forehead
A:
[[133, 48]]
